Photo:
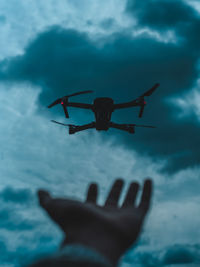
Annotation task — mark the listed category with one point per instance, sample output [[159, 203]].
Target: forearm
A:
[[72, 256]]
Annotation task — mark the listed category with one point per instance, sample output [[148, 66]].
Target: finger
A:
[[146, 196], [131, 195], [113, 196], [44, 198], [92, 193], [56, 208]]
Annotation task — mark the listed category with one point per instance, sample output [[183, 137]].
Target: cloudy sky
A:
[[118, 49]]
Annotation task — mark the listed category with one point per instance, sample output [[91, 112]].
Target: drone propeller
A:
[[150, 91], [63, 101], [64, 124], [141, 98], [58, 101], [139, 125], [80, 93]]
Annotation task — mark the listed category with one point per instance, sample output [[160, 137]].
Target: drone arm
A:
[[79, 105], [151, 90], [139, 101], [123, 127], [130, 104], [73, 129], [86, 126], [65, 111]]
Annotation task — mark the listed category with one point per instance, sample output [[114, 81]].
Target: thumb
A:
[[44, 198]]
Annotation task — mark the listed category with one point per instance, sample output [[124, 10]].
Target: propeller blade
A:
[[146, 126], [62, 123], [58, 101], [65, 111], [139, 125], [150, 91], [141, 111], [80, 93]]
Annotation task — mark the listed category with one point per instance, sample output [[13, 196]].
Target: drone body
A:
[[103, 107]]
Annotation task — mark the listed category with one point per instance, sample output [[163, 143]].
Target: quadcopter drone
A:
[[103, 108]]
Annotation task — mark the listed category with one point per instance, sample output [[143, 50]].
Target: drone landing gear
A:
[[74, 128], [123, 127]]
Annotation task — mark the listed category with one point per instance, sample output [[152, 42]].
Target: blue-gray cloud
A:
[[2, 19], [14, 222], [12, 204], [10, 220], [25, 254]]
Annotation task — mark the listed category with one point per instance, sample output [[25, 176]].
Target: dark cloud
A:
[[176, 254], [180, 254], [148, 259], [122, 67], [161, 14], [21, 196]]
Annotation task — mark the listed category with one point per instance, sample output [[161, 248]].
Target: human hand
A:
[[109, 229]]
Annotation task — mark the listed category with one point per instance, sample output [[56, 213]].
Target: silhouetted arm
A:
[[109, 229]]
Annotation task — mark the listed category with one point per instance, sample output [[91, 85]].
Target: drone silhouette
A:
[[103, 108]]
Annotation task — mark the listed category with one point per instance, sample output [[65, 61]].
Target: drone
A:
[[103, 107]]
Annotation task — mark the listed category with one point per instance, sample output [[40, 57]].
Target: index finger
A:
[[146, 196], [92, 193], [114, 195]]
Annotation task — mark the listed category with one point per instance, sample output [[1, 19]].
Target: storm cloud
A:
[[63, 61], [162, 14]]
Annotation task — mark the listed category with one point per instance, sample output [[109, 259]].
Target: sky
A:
[[119, 49]]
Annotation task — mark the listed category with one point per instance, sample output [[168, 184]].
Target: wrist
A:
[[109, 249], [82, 253], [74, 255]]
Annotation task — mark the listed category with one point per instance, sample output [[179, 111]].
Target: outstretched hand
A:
[[109, 229]]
